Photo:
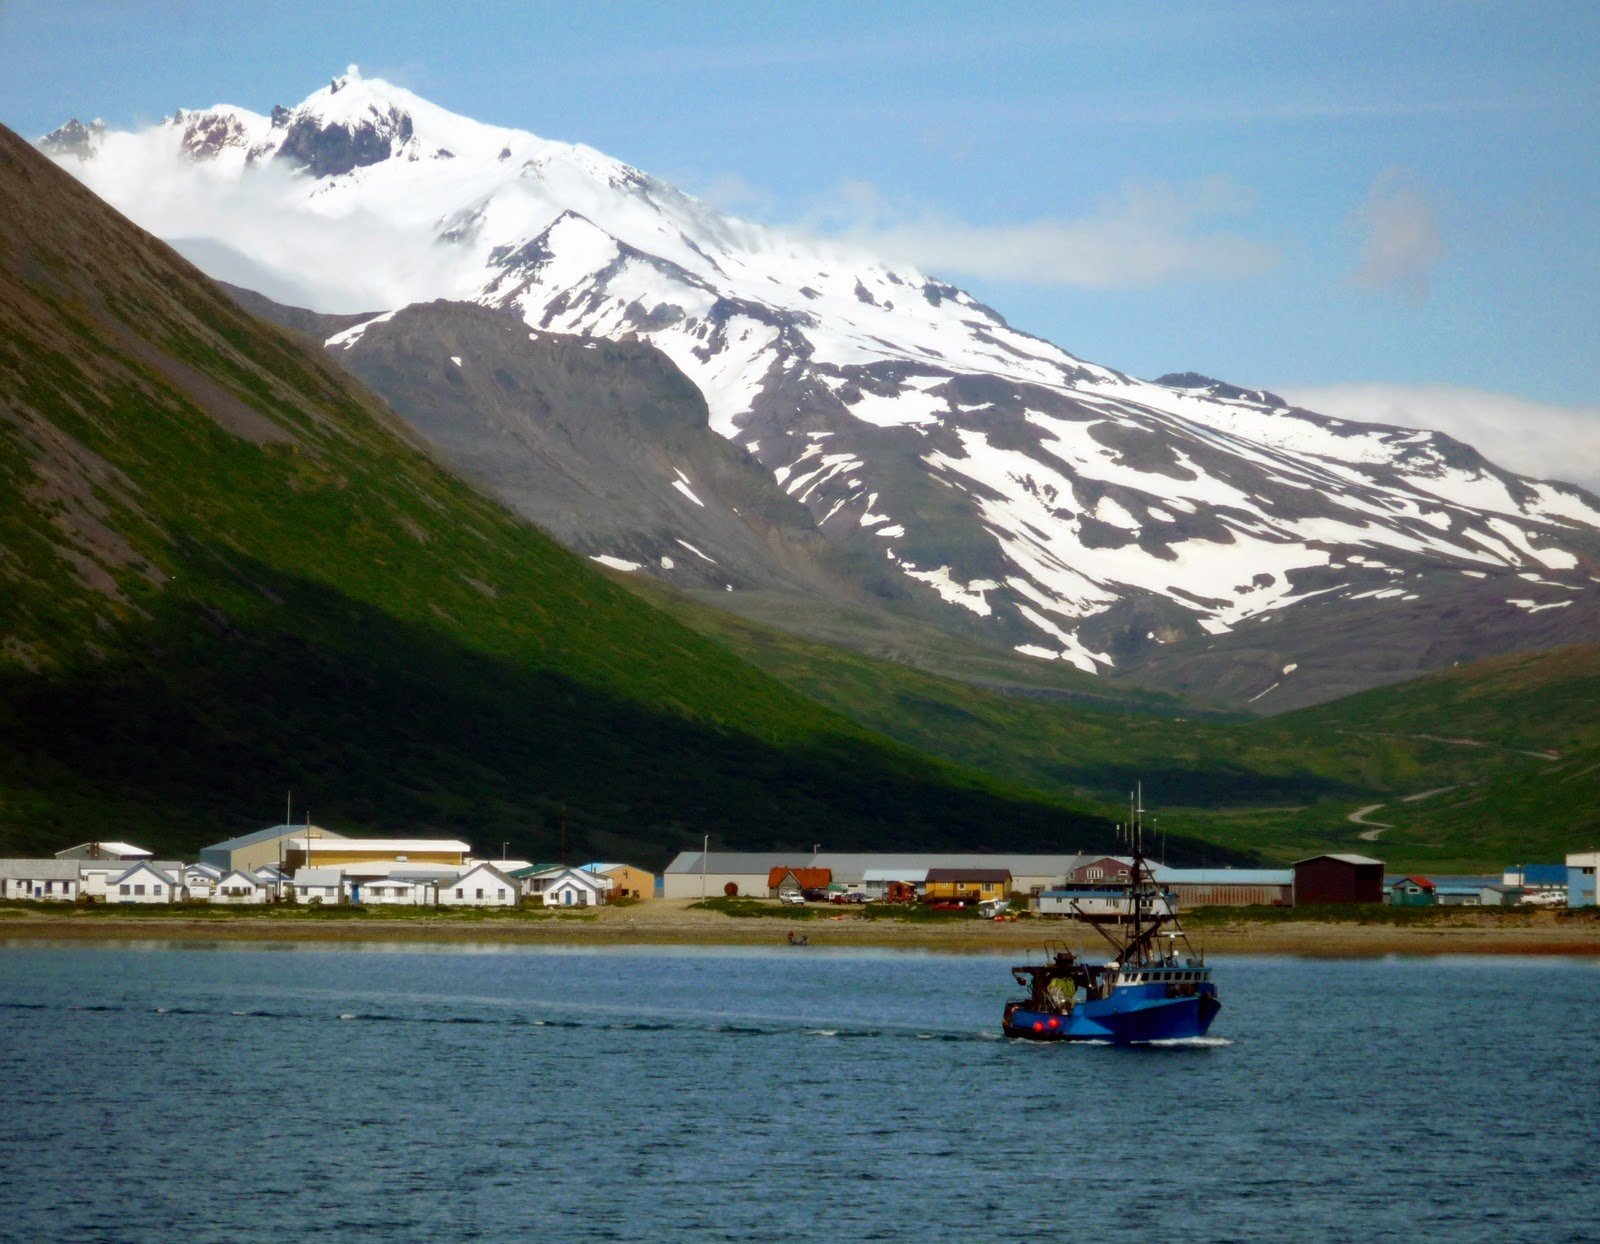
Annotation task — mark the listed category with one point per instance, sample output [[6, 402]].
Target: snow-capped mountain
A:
[[967, 471]]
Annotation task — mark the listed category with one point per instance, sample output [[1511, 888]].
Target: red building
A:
[[1337, 879]]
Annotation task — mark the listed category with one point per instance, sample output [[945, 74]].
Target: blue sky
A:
[[1277, 194]]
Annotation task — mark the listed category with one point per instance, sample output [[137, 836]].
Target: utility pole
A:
[[705, 850]]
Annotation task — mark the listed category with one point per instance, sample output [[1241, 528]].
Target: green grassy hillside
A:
[[1281, 788], [227, 571]]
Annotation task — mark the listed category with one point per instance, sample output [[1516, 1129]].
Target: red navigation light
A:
[[1054, 1021], [1037, 1026]]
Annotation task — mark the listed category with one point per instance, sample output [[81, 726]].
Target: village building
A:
[[262, 846], [324, 886], [1501, 895], [1337, 879], [144, 883], [1100, 902], [556, 885], [1226, 887], [397, 889], [970, 885], [199, 881], [1413, 891], [96, 877], [318, 852], [1458, 893], [1581, 877], [105, 851], [481, 885], [627, 881], [781, 880], [239, 888], [53, 881], [1105, 869]]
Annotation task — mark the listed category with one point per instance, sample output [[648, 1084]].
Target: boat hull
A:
[[1121, 1020]]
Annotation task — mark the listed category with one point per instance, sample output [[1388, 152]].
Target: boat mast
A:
[[1136, 834]]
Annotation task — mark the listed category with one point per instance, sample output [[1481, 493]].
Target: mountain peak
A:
[[963, 470]]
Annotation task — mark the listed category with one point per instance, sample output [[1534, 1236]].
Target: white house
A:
[[395, 889], [241, 888], [47, 880], [567, 887], [482, 885], [200, 880], [143, 883], [322, 886]]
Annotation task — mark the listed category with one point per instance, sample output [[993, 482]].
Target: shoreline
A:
[[664, 922]]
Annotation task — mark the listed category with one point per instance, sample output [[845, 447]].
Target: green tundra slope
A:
[[1280, 788], [227, 571]]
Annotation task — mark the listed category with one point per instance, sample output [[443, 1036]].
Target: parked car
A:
[[816, 896], [793, 896]]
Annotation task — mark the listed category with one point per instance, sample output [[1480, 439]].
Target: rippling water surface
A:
[[385, 1092]]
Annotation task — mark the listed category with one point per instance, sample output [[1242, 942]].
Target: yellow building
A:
[[626, 880], [975, 885], [319, 852]]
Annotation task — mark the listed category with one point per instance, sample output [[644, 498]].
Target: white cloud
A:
[[255, 230], [1148, 235], [1400, 241], [1540, 439]]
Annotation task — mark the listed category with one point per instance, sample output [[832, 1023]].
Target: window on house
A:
[[126, 889], [138, 889], [480, 894], [461, 894]]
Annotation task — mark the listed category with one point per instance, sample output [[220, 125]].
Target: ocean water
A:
[[188, 1092]]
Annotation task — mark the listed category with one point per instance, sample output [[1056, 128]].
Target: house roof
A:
[[1417, 881], [239, 872], [974, 875], [1221, 876], [143, 866], [1543, 874], [318, 876], [1343, 859], [481, 866], [807, 878], [108, 850], [560, 872], [267, 835], [39, 870]]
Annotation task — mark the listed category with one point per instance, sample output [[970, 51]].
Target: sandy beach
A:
[[676, 922]]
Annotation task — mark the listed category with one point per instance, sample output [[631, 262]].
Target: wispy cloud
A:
[[1540, 439], [1400, 240], [1149, 234], [253, 230]]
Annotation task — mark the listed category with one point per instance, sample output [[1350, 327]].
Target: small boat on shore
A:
[[1148, 990]]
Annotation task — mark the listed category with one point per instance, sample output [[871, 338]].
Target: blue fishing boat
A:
[[1154, 987]]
